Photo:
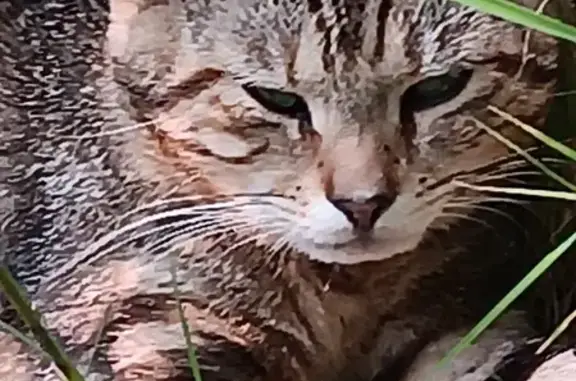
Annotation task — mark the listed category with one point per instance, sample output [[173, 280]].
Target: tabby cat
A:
[[293, 171]]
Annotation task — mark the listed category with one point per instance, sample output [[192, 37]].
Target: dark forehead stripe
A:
[[349, 17], [383, 12], [315, 8], [350, 20]]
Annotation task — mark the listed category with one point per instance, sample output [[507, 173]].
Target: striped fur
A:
[[233, 199]]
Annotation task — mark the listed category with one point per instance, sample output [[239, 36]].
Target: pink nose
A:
[[364, 214]]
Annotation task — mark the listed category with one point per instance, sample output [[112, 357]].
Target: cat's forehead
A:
[[301, 44]]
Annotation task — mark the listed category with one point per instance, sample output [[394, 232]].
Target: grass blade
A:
[[524, 16], [7, 328], [98, 337], [534, 274], [557, 332], [552, 143], [19, 301], [568, 196], [531, 159], [192, 359]]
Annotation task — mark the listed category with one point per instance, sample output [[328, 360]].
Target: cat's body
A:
[[309, 242]]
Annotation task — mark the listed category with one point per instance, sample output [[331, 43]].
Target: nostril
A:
[[382, 201], [363, 215], [347, 208]]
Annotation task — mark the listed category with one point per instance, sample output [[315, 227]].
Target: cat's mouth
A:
[[361, 239], [366, 247]]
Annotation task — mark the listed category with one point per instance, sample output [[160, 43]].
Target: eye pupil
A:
[[284, 100], [433, 91], [280, 98], [280, 102]]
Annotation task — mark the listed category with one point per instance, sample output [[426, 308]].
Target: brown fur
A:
[[263, 304]]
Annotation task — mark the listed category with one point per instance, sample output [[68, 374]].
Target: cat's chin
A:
[[358, 250]]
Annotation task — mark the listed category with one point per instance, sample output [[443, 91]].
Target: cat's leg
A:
[[503, 352], [558, 367]]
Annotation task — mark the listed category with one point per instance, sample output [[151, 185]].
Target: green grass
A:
[[534, 274], [557, 28], [192, 359], [42, 342], [18, 299], [524, 16]]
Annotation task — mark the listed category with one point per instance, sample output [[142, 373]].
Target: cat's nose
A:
[[364, 214]]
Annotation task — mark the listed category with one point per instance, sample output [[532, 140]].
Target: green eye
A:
[[433, 91], [280, 102], [279, 98], [433, 86]]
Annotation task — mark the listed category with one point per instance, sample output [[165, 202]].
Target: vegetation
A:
[[563, 120]]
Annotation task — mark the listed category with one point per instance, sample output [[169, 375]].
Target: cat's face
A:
[[377, 106]]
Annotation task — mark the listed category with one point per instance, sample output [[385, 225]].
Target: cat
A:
[[298, 167]]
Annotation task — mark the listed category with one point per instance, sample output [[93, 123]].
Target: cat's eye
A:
[[433, 91], [280, 102]]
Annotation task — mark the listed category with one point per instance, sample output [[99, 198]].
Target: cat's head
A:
[[338, 127]]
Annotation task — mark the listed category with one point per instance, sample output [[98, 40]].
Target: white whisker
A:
[[465, 217], [186, 235], [261, 230], [215, 207], [91, 253], [256, 237], [503, 175], [198, 226], [472, 206], [195, 226], [525, 154], [544, 193], [119, 130]]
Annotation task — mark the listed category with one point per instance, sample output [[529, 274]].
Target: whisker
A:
[[278, 249], [120, 130], [217, 242], [279, 243], [564, 93], [525, 164], [510, 166], [256, 237], [201, 224], [486, 208], [461, 216], [88, 256], [184, 236], [185, 226], [237, 200], [210, 211], [181, 212], [244, 222], [508, 176], [537, 163], [287, 237], [197, 226], [492, 200], [179, 239], [567, 196], [514, 171], [158, 229]]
